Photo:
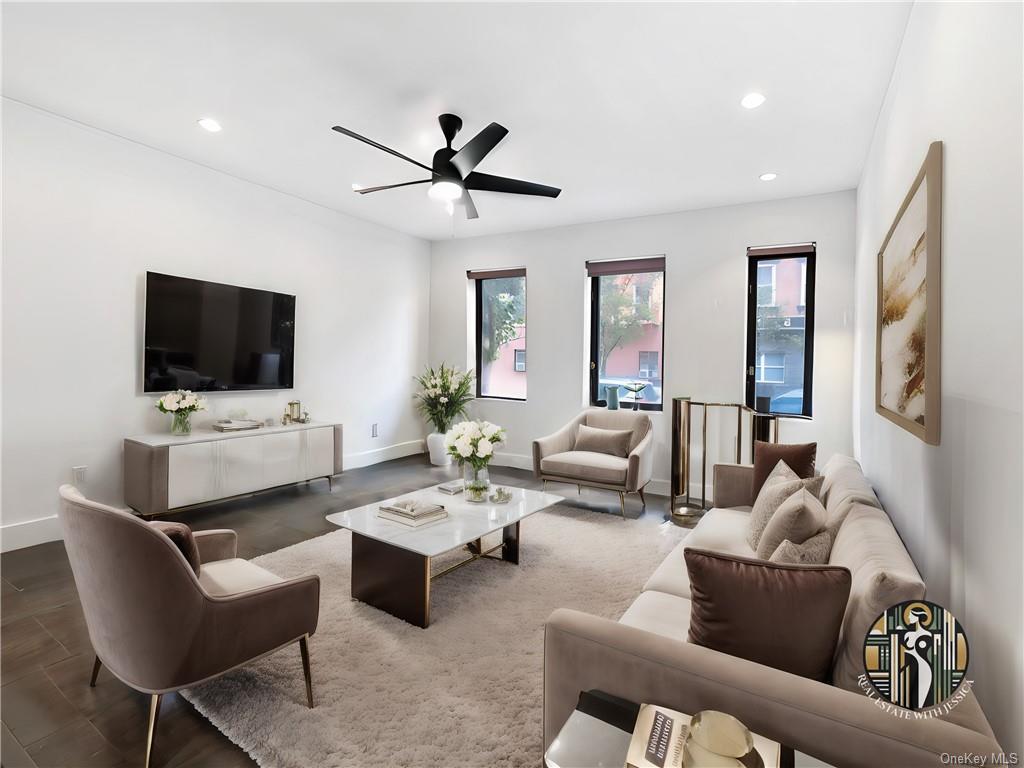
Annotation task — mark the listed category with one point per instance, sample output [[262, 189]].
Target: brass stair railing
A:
[[763, 426]]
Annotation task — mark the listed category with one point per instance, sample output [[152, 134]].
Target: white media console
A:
[[164, 472]]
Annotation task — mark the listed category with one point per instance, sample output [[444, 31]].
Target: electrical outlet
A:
[[78, 475], [373, 430]]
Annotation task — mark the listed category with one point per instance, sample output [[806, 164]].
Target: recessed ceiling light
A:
[[753, 100], [768, 176], [209, 124]]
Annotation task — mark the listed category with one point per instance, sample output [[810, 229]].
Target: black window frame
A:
[[621, 267], [755, 256], [479, 277]]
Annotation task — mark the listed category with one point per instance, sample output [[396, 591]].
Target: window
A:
[[520, 360], [500, 333], [771, 368], [766, 285], [648, 365], [780, 328], [627, 299]]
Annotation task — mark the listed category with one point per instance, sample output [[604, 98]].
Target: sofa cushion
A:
[[719, 530], [814, 551], [882, 575], [614, 442], [771, 497], [844, 486], [659, 613], [797, 519], [228, 577], [798, 456], [782, 616], [587, 465], [181, 536]]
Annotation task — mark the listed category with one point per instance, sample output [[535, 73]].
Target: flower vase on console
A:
[[181, 404]]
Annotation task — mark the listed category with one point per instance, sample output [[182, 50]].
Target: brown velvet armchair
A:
[[156, 625]]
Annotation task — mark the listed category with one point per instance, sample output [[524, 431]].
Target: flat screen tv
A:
[[211, 337]]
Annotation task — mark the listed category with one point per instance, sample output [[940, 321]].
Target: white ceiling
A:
[[632, 109]]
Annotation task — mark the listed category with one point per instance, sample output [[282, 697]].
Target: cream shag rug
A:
[[466, 691]]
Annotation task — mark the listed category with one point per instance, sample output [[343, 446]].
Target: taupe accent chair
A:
[[155, 624], [555, 457]]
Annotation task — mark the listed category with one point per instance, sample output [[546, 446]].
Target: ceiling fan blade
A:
[[476, 149], [368, 190], [470, 206], [487, 183], [373, 143]]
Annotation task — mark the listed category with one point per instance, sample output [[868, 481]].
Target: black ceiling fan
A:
[[453, 174]]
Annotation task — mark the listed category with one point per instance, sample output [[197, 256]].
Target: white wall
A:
[[958, 506], [86, 214], [705, 310]]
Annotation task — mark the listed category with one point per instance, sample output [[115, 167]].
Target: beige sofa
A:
[[555, 457], [644, 656]]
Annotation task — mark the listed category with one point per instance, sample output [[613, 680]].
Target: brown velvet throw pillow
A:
[[782, 616], [614, 442], [181, 536], [798, 456]]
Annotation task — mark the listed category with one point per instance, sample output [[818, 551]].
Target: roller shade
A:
[[484, 274], [625, 266], [793, 249]]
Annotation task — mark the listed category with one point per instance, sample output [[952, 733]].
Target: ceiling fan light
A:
[[445, 190]]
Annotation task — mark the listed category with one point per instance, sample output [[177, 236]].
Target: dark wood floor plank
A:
[[33, 708], [12, 754], [71, 677], [79, 745], [27, 647]]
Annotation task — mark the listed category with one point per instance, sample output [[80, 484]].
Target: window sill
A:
[[502, 399]]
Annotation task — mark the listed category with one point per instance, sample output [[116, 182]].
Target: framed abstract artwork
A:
[[908, 326]]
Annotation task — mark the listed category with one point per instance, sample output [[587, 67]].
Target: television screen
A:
[[211, 337]]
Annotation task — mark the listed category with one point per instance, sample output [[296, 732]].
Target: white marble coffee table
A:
[[391, 561]]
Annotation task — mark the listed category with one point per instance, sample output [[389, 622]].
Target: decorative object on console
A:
[[444, 394], [799, 457], [181, 404], [908, 324], [294, 414], [472, 444], [743, 607], [236, 425]]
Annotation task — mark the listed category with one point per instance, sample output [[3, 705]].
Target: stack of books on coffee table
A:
[[412, 513]]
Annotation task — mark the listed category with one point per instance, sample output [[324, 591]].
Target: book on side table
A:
[[412, 513]]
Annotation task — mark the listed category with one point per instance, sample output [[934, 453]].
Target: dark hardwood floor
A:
[[51, 717]]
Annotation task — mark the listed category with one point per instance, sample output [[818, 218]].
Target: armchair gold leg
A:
[[304, 648], [622, 504], [154, 713], [95, 672]]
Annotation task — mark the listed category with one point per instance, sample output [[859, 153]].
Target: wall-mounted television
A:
[[212, 337]]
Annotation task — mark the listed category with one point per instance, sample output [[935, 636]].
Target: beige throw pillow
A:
[[770, 499], [797, 519], [614, 442], [814, 551]]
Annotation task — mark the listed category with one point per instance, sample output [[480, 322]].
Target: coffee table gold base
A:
[[397, 580]]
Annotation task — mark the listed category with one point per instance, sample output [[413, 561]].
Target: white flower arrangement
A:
[[181, 405], [473, 442], [181, 401]]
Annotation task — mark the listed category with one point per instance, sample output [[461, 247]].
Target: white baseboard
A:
[[377, 455], [521, 461], [29, 533]]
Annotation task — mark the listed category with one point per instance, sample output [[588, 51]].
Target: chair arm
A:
[[219, 544], [641, 463], [733, 485], [238, 628], [559, 442], [584, 652]]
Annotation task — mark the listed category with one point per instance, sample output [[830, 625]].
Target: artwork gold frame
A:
[[908, 324]]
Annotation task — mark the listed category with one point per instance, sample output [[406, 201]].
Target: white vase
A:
[[438, 455]]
